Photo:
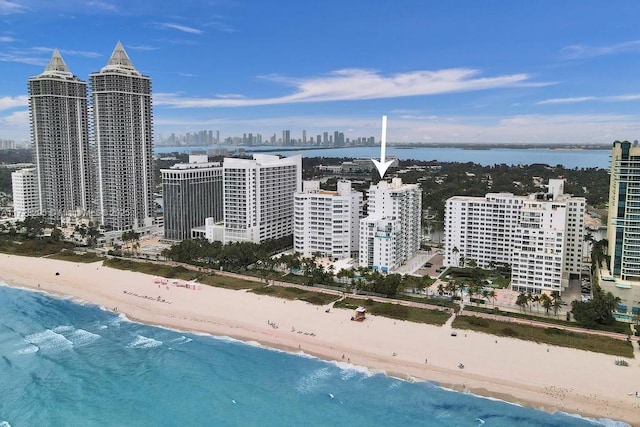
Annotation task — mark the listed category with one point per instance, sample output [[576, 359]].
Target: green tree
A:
[[598, 311]]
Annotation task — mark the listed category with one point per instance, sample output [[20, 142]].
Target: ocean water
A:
[[69, 364]]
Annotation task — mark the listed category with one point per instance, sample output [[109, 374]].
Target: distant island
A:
[[490, 145]]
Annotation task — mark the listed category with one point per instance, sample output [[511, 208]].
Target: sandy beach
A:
[[536, 375]]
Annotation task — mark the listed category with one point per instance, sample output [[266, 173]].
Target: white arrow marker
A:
[[382, 165]]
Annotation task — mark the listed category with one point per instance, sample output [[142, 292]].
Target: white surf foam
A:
[[82, 337], [4, 424], [30, 349], [144, 342], [49, 341], [63, 328], [607, 422], [181, 340], [311, 382], [349, 370]]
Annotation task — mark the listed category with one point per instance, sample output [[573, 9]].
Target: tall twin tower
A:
[[93, 160]]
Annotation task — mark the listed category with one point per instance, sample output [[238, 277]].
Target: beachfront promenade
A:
[[505, 301]]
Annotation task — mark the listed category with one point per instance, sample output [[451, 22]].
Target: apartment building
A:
[[257, 198], [60, 141], [539, 235], [191, 193], [124, 137], [26, 201], [327, 222], [390, 234], [622, 276]]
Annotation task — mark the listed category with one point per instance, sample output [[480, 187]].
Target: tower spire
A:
[[56, 65], [119, 60]]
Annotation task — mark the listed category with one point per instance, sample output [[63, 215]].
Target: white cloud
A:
[[83, 53], [15, 125], [23, 58], [8, 7], [141, 47], [8, 102], [221, 26], [182, 28], [6, 39], [359, 84], [583, 51], [574, 100], [40, 55]]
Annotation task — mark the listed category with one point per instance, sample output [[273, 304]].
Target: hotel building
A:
[[257, 198], [60, 141], [539, 235], [191, 193], [123, 135], [390, 234], [622, 276], [327, 222]]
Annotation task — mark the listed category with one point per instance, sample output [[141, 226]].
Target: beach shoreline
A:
[[529, 374]]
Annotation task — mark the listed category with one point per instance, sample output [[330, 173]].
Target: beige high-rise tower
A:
[[60, 142], [123, 131]]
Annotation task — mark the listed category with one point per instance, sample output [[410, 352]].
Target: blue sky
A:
[[443, 71]]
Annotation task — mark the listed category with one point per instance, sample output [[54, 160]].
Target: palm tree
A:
[[493, 295], [556, 301], [455, 252], [529, 301], [440, 289], [521, 300], [536, 299], [471, 291], [450, 287], [546, 302]]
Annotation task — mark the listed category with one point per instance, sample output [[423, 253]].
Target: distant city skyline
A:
[[207, 137], [539, 72]]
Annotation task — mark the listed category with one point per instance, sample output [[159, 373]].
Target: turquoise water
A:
[[69, 364]]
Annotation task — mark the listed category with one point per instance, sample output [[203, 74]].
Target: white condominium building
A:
[[124, 138], [539, 236], [191, 193], [327, 222], [26, 202], [390, 234], [60, 141], [258, 197], [481, 228]]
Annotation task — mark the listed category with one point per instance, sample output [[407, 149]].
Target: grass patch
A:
[[292, 293], [220, 281], [68, 255], [619, 327], [552, 335], [34, 248], [167, 271], [181, 273], [439, 302], [396, 311]]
